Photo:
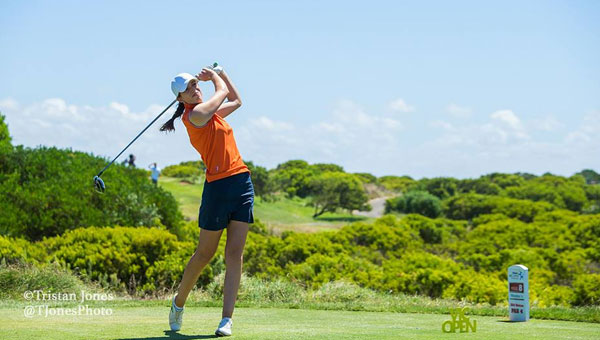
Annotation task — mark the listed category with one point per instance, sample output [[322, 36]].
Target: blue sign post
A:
[[518, 293]]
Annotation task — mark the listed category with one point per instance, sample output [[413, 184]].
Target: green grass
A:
[[187, 195], [150, 322], [295, 214], [281, 214]]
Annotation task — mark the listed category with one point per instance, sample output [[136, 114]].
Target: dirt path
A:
[[378, 205]]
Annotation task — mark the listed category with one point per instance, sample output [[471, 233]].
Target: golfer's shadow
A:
[[174, 336]]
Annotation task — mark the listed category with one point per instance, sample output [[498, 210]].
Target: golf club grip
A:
[[128, 145]]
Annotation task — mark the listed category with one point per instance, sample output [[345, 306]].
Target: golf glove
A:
[[216, 67]]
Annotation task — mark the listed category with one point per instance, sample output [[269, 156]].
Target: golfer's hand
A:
[[206, 74]]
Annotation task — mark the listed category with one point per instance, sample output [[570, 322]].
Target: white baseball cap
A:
[[180, 82]]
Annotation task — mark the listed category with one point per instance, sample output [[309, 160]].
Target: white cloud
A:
[[101, 130], [349, 135], [399, 105], [547, 123], [8, 104], [458, 111], [504, 127], [588, 134], [265, 123], [507, 122]]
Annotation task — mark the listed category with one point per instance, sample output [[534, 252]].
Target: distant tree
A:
[[292, 181], [260, 178], [482, 186], [560, 191], [442, 187], [324, 167], [5, 139], [366, 177], [293, 164], [333, 190], [396, 183], [528, 176], [505, 180], [417, 202], [591, 176]]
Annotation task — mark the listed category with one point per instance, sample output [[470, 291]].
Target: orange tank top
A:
[[216, 145]]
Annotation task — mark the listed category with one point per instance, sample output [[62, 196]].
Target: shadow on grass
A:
[[174, 336], [340, 218]]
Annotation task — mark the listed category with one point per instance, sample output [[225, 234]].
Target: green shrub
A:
[[469, 206], [260, 179], [420, 273], [442, 187], [136, 255], [397, 184], [559, 191], [17, 250], [552, 295], [16, 279], [586, 230], [587, 289], [436, 231], [415, 202], [181, 171], [46, 191], [366, 177], [477, 288]]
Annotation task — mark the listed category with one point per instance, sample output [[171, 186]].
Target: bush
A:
[[437, 231], [334, 190], [420, 273], [181, 171], [16, 279], [415, 202], [469, 206], [17, 250], [366, 177], [442, 187], [559, 191], [260, 179], [46, 191], [477, 288], [136, 255], [397, 184], [587, 291]]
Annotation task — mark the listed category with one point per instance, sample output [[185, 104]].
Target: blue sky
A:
[[428, 88]]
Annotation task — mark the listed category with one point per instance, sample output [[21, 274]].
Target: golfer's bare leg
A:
[[207, 246], [234, 249]]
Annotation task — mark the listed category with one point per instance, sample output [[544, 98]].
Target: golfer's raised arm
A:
[[234, 100], [204, 111]]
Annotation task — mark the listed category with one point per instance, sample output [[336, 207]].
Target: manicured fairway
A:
[[282, 214], [272, 323]]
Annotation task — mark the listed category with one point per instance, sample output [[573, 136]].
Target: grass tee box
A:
[[137, 323]]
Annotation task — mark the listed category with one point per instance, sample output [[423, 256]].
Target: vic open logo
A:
[[459, 322]]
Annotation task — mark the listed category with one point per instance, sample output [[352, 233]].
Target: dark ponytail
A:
[[170, 124]]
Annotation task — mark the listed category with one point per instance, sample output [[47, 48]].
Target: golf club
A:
[[98, 182]]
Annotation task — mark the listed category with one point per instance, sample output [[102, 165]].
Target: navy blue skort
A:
[[226, 199]]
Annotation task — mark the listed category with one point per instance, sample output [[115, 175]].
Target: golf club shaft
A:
[[128, 145]]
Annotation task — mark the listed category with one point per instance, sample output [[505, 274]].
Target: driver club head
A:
[[99, 184]]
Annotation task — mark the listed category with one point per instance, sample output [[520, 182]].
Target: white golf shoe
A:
[[224, 327], [175, 316]]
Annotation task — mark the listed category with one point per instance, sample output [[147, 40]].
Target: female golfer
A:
[[228, 196]]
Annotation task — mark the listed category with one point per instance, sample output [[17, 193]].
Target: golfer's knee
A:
[[203, 256], [234, 255]]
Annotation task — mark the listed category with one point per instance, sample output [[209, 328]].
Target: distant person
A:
[[154, 173], [131, 160], [228, 196]]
